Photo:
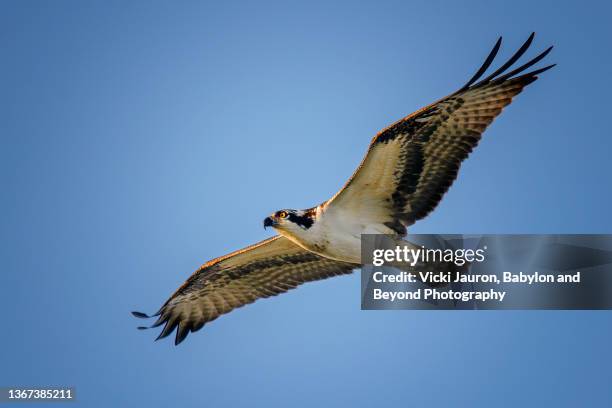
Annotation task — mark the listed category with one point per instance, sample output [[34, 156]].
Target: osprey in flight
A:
[[406, 171]]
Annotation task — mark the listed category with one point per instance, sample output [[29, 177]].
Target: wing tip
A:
[[140, 315], [168, 328], [497, 76], [181, 333], [485, 65], [537, 72]]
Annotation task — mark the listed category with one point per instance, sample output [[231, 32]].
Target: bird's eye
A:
[[282, 214]]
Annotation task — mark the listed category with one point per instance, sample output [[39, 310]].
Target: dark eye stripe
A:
[[303, 221]]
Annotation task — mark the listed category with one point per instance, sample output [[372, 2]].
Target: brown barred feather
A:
[[266, 269], [428, 147], [408, 168]]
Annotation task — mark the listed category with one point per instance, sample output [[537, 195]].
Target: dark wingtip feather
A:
[[197, 326], [181, 333], [523, 67], [140, 315], [539, 71], [159, 321], [494, 78], [485, 65], [518, 54], [168, 328], [162, 335], [142, 328]]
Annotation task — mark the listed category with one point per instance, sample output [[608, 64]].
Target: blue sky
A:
[[141, 139]]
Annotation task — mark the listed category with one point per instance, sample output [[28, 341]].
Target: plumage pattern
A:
[[412, 163], [268, 268], [407, 169]]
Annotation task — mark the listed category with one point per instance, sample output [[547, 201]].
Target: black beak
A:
[[268, 222]]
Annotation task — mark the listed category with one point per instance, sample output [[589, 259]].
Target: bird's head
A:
[[291, 221]]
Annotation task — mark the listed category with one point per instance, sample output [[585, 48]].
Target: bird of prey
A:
[[407, 169]]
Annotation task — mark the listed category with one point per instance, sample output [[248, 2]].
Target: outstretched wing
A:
[[265, 269], [412, 163]]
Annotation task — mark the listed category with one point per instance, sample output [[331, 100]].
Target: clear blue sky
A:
[[140, 139]]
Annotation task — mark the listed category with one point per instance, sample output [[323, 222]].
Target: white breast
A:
[[337, 235]]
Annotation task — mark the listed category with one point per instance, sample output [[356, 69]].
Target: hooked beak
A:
[[268, 222]]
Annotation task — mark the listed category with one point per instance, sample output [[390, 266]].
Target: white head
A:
[[291, 222]]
